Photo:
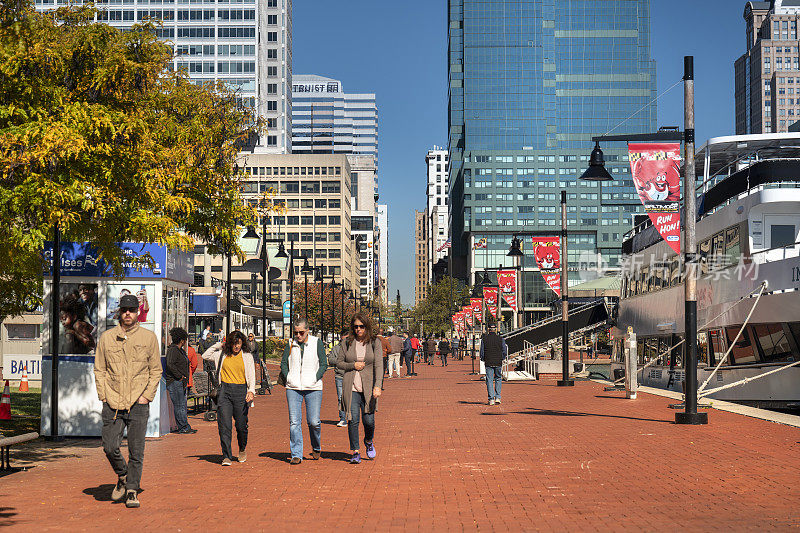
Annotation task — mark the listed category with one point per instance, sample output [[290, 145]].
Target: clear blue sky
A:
[[398, 50]]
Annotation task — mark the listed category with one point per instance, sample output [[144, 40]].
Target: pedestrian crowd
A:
[[128, 370]]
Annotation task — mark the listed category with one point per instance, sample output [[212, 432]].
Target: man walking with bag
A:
[[177, 376], [493, 352], [127, 370]]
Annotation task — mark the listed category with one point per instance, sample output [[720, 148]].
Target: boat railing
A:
[[776, 254]]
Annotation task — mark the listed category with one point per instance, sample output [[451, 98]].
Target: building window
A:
[[272, 36]]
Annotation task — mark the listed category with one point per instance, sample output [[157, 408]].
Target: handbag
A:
[[214, 392]]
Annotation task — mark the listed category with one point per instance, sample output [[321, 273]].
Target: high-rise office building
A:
[[436, 210], [530, 82], [326, 120], [767, 75], [383, 253], [421, 261], [246, 44]]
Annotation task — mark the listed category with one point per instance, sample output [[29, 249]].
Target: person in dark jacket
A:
[[176, 375], [444, 350], [493, 353], [408, 354], [430, 350]]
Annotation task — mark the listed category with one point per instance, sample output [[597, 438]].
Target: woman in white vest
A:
[[302, 367]]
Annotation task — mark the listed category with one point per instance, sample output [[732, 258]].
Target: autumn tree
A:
[[444, 298], [99, 138]]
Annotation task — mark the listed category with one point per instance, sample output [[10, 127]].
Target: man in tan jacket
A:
[[127, 370]]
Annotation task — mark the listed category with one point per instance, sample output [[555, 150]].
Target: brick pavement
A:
[[546, 459]]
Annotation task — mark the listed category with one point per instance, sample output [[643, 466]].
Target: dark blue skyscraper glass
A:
[[530, 82]]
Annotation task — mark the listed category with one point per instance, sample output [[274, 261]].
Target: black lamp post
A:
[[341, 294], [318, 278], [306, 270], [334, 285], [597, 172], [291, 283], [564, 381], [516, 251]]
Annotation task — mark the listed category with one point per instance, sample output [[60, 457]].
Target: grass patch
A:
[[26, 412]]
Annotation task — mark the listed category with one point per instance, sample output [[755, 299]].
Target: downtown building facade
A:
[[326, 120], [767, 75], [436, 208], [530, 82], [245, 43], [422, 265]]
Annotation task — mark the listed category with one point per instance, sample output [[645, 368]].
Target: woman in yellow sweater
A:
[[237, 378]]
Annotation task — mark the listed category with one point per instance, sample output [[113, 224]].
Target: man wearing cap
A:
[[127, 370]]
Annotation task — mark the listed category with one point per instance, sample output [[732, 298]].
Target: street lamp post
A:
[[516, 252], [306, 270], [291, 283], [318, 278], [564, 381], [597, 172]]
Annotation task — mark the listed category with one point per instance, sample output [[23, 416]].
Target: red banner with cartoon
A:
[[657, 177], [547, 251], [490, 295], [477, 304], [507, 279], [467, 310]]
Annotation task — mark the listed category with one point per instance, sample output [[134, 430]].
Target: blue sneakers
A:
[[356, 459], [370, 450]]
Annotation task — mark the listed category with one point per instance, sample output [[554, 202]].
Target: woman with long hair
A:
[[361, 358], [237, 378]]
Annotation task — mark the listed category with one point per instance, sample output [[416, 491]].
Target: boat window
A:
[[702, 347], [704, 249], [646, 281], [718, 259], [774, 344], [794, 328], [742, 352], [733, 246], [663, 351], [675, 271], [678, 351], [716, 348], [782, 235]]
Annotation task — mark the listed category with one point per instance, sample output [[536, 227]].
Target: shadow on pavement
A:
[[613, 397], [101, 493], [215, 458], [330, 422], [535, 411], [277, 456], [471, 403], [6, 516]]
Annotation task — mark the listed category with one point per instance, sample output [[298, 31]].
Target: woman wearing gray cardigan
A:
[[361, 358]]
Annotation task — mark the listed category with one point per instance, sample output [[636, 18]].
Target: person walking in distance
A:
[[493, 353], [395, 349], [237, 380], [444, 350], [416, 345], [408, 354], [333, 357], [360, 359], [430, 346], [176, 376], [127, 370], [387, 349], [302, 367]]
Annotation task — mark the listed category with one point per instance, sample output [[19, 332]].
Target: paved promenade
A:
[[548, 458]]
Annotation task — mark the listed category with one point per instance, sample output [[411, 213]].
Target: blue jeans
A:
[[177, 393], [338, 379], [494, 381], [313, 398], [357, 405]]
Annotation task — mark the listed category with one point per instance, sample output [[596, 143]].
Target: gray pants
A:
[[114, 424]]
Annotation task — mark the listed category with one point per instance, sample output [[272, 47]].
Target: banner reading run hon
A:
[[490, 295], [547, 251], [656, 175], [507, 279]]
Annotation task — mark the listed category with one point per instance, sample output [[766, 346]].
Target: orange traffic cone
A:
[[5, 404], [23, 385]]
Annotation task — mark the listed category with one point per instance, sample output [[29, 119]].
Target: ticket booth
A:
[[88, 302]]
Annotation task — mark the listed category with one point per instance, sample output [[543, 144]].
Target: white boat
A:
[[748, 233]]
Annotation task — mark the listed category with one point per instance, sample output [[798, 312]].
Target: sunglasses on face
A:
[[129, 310], [299, 332], [359, 326]]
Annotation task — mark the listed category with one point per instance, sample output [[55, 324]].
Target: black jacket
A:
[[444, 347], [177, 367]]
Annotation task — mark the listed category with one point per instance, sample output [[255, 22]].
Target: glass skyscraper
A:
[[530, 82]]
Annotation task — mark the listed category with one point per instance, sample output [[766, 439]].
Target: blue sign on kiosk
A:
[[287, 312], [88, 301]]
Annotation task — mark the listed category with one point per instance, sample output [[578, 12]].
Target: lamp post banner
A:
[[467, 310], [507, 279], [546, 250], [656, 173], [476, 308], [490, 295]]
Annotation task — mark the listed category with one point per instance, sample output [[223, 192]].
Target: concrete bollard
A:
[[631, 360]]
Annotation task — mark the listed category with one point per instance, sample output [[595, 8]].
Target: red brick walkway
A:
[[546, 459]]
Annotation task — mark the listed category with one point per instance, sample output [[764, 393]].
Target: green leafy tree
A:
[[98, 137], [434, 313]]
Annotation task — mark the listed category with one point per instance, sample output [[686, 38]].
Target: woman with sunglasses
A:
[[237, 378], [361, 358]]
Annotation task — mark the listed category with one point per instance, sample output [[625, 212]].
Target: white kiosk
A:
[[88, 300]]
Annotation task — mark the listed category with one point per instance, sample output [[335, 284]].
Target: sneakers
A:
[[341, 423], [491, 402], [242, 456], [131, 501], [226, 461], [119, 491], [295, 461], [187, 431], [371, 453], [356, 459], [315, 454], [497, 400]]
